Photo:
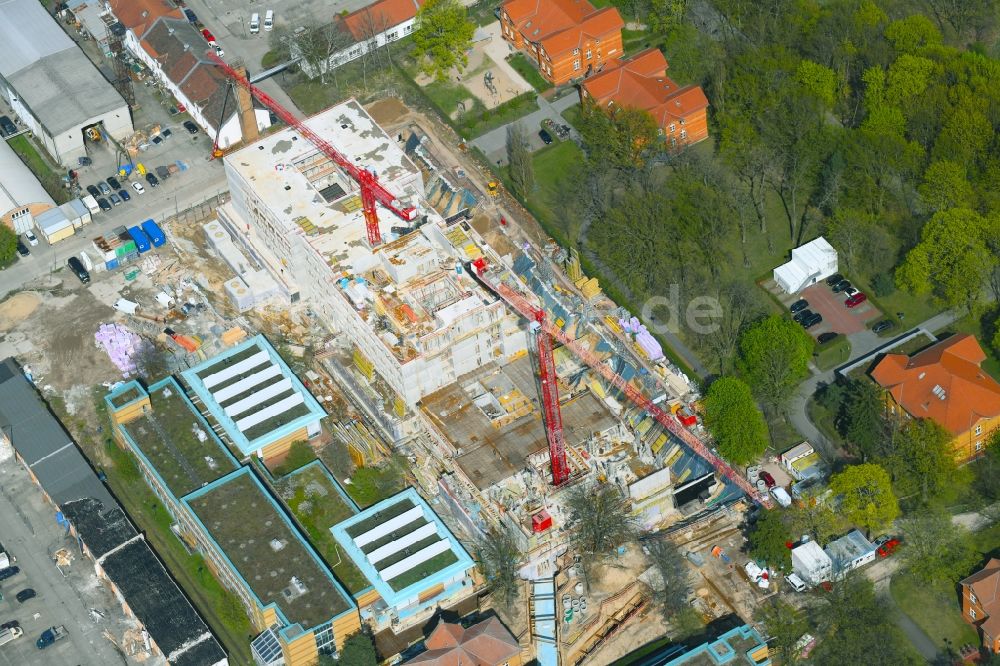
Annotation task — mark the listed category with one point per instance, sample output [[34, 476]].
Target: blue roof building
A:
[[411, 558], [257, 400]]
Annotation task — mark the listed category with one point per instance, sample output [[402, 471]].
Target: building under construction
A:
[[429, 315]]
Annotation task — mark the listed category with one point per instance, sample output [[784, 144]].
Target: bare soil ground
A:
[[388, 111], [17, 308]]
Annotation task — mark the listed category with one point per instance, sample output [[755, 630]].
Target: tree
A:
[[945, 186], [499, 557], [8, 245], [937, 551], [442, 36], [522, 170], [599, 522], [669, 563], [621, 137], [952, 259], [731, 415], [816, 518], [316, 46], [856, 628], [785, 625], [358, 651], [152, 362], [912, 33], [774, 356], [769, 539], [866, 497], [740, 305], [922, 462], [864, 419]]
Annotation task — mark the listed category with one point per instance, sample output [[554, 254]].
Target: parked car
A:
[[827, 337], [116, 200], [855, 300], [797, 583], [190, 127], [834, 279], [167, 133], [78, 269], [812, 321], [7, 127], [882, 326], [93, 191], [802, 315], [157, 139], [843, 285], [31, 238], [103, 203], [888, 548], [218, 50], [104, 188], [152, 180], [84, 161], [850, 291], [137, 186], [25, 594], [22, 249], [191, 16], [209, 37], [9, 572], [113, 182], [799, 305], [124, 195], [545, 137], [768, 479]]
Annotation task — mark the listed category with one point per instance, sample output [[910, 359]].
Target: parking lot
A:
[[837, 317], [70, 596]]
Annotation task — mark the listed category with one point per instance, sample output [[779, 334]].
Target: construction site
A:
[[437, 329]]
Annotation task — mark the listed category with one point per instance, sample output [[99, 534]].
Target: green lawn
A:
[[447, 96], [50, 179], [525, 68], [572, 115], [936, 610], [832, 354], [823, 419]]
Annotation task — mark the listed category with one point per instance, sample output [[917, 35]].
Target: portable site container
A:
[[155, 233], [140, 238]]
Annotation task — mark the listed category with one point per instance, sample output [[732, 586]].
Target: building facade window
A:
[[673, 128], [972, 613], [324, 639], [979, 429], [576, 51], [589, 54], [972, 598], [979, 445], [684, 134], [576, 65]]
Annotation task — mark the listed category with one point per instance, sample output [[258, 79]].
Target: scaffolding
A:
[[116, 44]]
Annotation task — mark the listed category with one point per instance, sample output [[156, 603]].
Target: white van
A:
[[782, 496], [268, 20], [254, 23], [797, 583]]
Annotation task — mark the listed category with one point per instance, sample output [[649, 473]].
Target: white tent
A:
[[810, 263]]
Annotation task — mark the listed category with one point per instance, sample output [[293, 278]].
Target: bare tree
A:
[[522, 173], [499, 557], [600, 522], [317, 45]]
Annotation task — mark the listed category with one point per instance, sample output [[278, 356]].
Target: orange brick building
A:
[[566, 39], [946, 383], [981, 603], [641, 82]]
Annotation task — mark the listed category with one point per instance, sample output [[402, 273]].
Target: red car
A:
[[209, 37], [768, 479], [855, 300], [888, 548]]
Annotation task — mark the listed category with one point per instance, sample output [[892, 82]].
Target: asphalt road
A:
[[30, 533]]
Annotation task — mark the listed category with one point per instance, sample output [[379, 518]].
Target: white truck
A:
[[6, 559], [91, 203]]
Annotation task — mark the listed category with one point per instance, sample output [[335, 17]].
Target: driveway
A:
[[836, 316], [494, 142]]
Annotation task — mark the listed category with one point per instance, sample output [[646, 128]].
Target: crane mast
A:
[[522, 306], [372, 191]]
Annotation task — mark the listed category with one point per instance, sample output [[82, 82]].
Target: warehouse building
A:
[[413, 561], [54, 89], [122, 557], [254, 396], [22, 197], [414, 317]]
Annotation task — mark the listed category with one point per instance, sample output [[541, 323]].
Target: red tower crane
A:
[[521, 305], [372, 191]]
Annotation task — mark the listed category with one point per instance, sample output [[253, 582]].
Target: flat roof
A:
[[313, 198], [491, 454], [318, 502], [52, 76], [18, 186], [267, 551], [849, 547], [402, 546], [253, 394], [174, 438], [741, 646]]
